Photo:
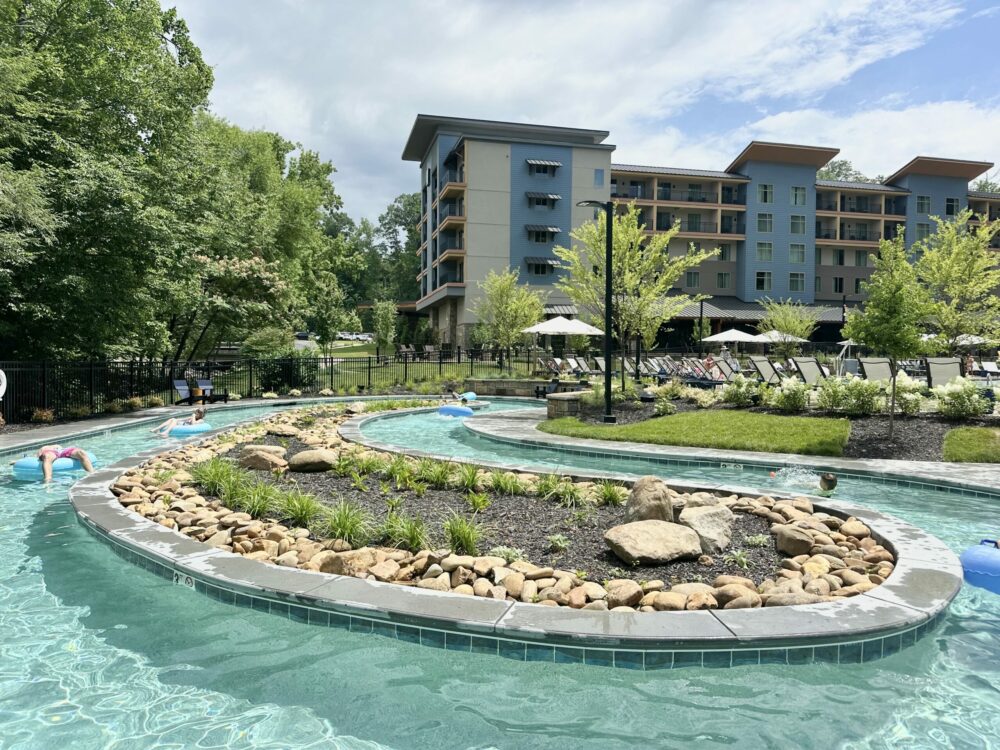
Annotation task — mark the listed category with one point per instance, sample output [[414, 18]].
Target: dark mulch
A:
[[629, 412], [525, 522], [9, 429]]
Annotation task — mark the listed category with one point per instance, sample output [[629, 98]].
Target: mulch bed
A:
[[525, 522]]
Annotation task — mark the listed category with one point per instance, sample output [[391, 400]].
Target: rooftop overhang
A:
[[783, 153], [426, 127], [935, 167]]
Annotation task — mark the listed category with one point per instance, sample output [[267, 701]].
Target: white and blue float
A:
[[183, 430], [981, 565], [455, 410], [468, 396], [29, 468]]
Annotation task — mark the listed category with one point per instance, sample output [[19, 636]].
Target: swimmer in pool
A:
[[164, 429], [47, 454], [827, 482]]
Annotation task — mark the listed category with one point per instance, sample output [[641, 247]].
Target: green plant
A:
[[133, 403], [509, 554], [398, 470], [405, 531], [78, 412], [462, 535], [672, 390], [437, 474], [741, 392], [307, 420], [791, 396], [344, 465], [299, 507], [961, 399], [259, 499], [467, 477], [831, 393], [294, 392], [863, 397], [758, 540], [737, 558], [269, 394], [358, 482], [581, 574], [567, 494], [393, 504], [113, 407], [477, 501], [213, 475], [368, 463], [346, 521], [505, 483], [664, 407], [284, 442], [610, 493], [418, 488], [154, 402], [580, 517], [546, 483], [558, 542]]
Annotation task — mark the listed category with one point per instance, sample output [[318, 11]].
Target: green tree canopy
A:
[[788, 317], [505, 308], [843, 169]]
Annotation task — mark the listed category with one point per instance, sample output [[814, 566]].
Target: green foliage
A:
[[664, 407], [737, 558], [862, 397], [437, 474], [505, 307], [477, 501], [346, 521], [504, 483], [788, 319], [558, 542], [831, 393], [790, 396], [213, 475], [399, 471], [299, 507], [406, 532], [961, 399], [269, 343], [369, 463], [757, 540], [741, 391], [546, 484], [510, 554], [467, 477], [462, 535], [384, 324], [134, 403], [259, 499], [843, 169], [567, 494], [610, 493], [972, 445]]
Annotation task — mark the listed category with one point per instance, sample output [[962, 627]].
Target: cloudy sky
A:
[[680, 83]]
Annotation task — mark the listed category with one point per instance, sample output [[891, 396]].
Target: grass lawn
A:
[[354, 350], [972, 445], [734, 430]]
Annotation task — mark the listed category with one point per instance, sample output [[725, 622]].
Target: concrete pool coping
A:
[[878, 623]]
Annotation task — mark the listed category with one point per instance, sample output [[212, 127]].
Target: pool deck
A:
[[861, 628]]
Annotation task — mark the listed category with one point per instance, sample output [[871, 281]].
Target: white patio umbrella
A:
[[774, 337], [560, 326], [732, 336]]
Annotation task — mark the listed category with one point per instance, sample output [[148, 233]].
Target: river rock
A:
[[259, 461], [349, 563], [276, 450], [315, 459], [386, 570], [854, 528], [623, 592], [283, 430], [652, 541], [649, 500], [669, 601], [797, 597], [692, 588], [792, 540], [712, 523]]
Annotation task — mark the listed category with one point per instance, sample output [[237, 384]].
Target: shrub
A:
[[546, 483], [673, 390], [505, 483], [758, 540], [664, 407], [909, 394], [960, 399], [407, 532], [477, 501], [791, 396], [510, 554], [43, 416], [567, 494], [467, 477], [863, 397], [832, 393], [436, 474], [269, 394], [113, 407], [700, 397], [78, 412], [133, 403], [610, 493], [326, 392], [299, 507], [214, 474], [741, 392], [345, 521], [398, 470], [294, 392], [463, 536], [259, 499], [369, 463], [558, 542], [155, 402], [232, 397]]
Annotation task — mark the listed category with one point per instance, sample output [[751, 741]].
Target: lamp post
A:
[[609, 211]]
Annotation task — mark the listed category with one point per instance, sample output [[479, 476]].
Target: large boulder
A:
[[712, 523], [346, 563], [276, 450], [317, 459], [260, 461], [792, 540], [649, 500], [623, 593], [652, 542], [283, 430]]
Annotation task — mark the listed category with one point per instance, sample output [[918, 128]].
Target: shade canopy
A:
[[560, 326], [732, 336], [775, 337]]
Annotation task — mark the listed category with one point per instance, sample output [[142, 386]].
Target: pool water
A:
[[95, 653]]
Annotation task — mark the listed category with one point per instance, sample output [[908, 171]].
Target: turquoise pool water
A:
[[95, 653]]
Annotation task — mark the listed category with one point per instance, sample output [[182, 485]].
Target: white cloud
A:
[[347, 80]]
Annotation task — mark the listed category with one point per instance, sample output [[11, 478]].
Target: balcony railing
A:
[[450, 245], [688, 195], [733, 199], [860, 235], [859, 208], [451, 175], [732, 228], [707, 227], [629, 191], [894, 210], [822, 205], [450, 209], [826, 234]]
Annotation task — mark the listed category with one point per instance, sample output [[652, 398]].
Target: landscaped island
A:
[[289, 491]]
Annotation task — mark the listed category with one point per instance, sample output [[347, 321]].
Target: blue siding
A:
[[782, 177], [938, 188], [521, 213]]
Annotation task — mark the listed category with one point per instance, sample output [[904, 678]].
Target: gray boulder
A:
[[317, 459], [712, 523], [652, 541], [649, 500]]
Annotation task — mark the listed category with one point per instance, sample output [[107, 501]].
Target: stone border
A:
[[878, 623]]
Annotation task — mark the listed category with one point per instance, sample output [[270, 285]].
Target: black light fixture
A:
[[609, 211]]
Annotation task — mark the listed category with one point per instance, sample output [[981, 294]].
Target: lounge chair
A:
[[942, 370], [765, 369], [574, 366], [541, 391], [584, 367], [990, 368], [727, 370], [875, 368], [208, 391], [186, 396], [809, 368]]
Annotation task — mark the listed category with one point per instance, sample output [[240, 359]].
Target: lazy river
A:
[[99, 654]]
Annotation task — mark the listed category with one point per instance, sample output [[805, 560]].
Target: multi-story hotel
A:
[[497, 195]]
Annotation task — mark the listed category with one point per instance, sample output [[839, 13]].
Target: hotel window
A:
[[598, 178], [819, 284], [763, 281], [923, 204], [860, 258], [765, 222], [857, 285], [798, 224], [923, 231], [725, 251], [540, 236], [798, 196], [796, 282], [694, 222], [838, 284], [838, 257], [692, 279], [537, 202], [722, 280], [765, 193], [951, 206], [539, 269], [796, 253], [765, 251]]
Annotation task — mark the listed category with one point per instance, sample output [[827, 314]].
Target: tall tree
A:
[[399, 237], [958, 268], [843, 169], [792, 320], [384, 324], [987, 184], [891, 321], [505, 308]]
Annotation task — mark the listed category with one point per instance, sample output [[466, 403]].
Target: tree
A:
[[384, 324], [891, 321], [788, 317], [959, 270], [642, 274], [329, 315], [842, 169], [701, 329], [506, 308], [986, 184], [399, 240]]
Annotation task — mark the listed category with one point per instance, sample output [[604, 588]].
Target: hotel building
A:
[[496, 195]]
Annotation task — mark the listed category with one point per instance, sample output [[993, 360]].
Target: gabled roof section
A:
[[877, 187], [679, 172], [937, 167], [425, 127], [783, 153]]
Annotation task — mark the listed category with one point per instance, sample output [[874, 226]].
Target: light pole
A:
[[609, 211]]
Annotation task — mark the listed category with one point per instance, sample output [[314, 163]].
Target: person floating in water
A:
[[460, 397], [793, 476], [47, 454], [164, 429], [827, 482]]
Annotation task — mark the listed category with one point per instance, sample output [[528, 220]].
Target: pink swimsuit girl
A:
[[63, 453]]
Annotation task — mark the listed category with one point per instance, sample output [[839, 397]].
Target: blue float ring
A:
[[453, 410], [29, 468], [981, 565], [469, 396], [183, 430]]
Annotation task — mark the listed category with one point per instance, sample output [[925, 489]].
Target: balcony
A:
[[451, 213], [634, 192], [733, 198], [825, 204], [730, 226], [452, 182], [685, 195], [691, 226], [859, 234], [848, 205], [891, 230]]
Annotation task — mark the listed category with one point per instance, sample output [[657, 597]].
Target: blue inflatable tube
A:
[[453, 410], [982, 565], [29, 468], [183, 430], [469, 396]]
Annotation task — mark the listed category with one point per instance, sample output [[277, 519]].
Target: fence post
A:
[[369, 388], [93, 385], [458, 355], [45, 384], [440, 361], [406, 369], [250, 391]]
